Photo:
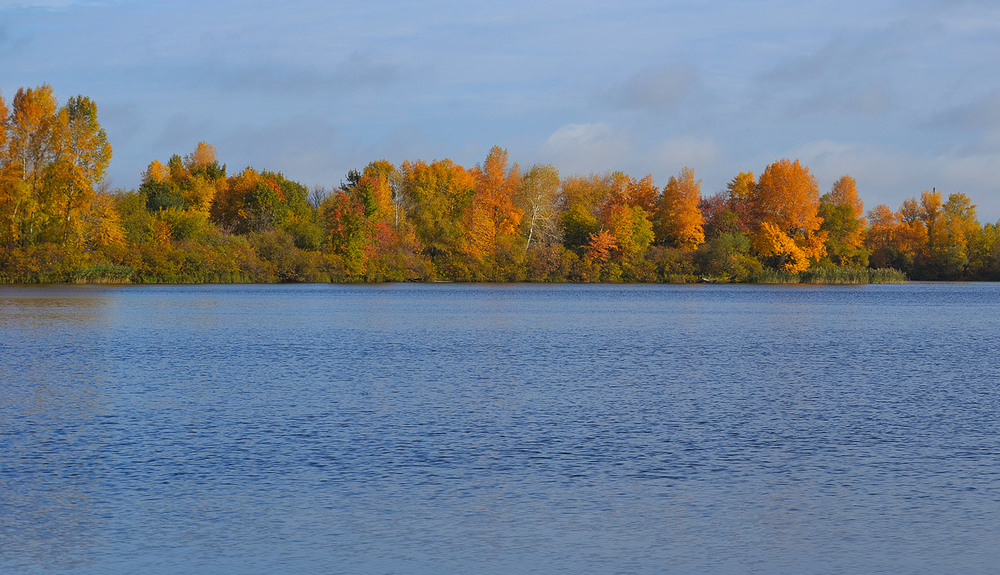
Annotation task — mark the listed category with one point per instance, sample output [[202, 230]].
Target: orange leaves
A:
[[678, 215], [845, 193], [202, 157], [786, 200], [494, 214], [628, 191], [601, 246], [625, 234], [841, 210], [376, 188], [156, 172], [787, 196]]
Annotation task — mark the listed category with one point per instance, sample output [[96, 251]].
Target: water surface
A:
[[500, 429]]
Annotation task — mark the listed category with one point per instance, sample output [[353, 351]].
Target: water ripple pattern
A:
[[500, 429]]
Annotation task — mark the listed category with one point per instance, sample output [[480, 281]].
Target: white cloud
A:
[[585, 148], [693, 152]]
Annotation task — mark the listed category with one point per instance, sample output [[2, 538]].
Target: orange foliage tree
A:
[[785, 203], [679, 222], [841, 210], [494, 216]]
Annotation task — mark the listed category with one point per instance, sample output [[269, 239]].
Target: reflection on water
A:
[[499, 429]]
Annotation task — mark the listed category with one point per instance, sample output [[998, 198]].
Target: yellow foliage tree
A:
[[786, 198], [880, 235], [156, 172], [494, 214], [679, 222], [628, 191], [841, 210], [378, 176], [202, 157], [845, 193], [772, 241]]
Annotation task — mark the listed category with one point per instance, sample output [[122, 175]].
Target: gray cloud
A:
[[654, 89], [359, 71], [850, 74], [365, 71], [983, 113]]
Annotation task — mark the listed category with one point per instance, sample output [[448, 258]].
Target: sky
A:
[[902, 95]]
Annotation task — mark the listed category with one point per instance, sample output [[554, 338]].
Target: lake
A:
[[500, 429]]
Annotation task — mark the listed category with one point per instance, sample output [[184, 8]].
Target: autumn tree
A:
[[373, 188], [348, 231], [951, 254], [52, 158], [626, 232], [538, 198], [253, 201], [583, 197], [8, 182], [83, 158], [188, 184], [730, 211], [679, 222], [842, 212], [785, 203], [494, 217], [34, 133], [440, 195], [880, 237], [628, 191]]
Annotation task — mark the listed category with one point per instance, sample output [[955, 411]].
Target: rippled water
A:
[[500, 429]]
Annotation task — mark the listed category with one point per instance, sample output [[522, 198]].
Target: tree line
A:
[[192, 221]]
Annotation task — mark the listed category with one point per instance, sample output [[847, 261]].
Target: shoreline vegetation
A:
[[192, 221]]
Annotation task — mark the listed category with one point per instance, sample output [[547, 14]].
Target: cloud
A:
[[692, 152], [981, 113], [584, 148], [53, 4], [365, 70], [359, 71], [850, 74], [654, 89], [889, 176]]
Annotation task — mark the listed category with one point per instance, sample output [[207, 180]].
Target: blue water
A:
[[500, 429]]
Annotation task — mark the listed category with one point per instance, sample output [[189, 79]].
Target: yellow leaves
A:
[[845, 193], [102, 224], [785, 203], [493, 211], [628, 191], [625, 234], [880, 234], [680, 221], [770, 241], [228, 205], [481, 240], [378, 176], [4, 111], [202, 157], [742, 186], [156, 172]]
